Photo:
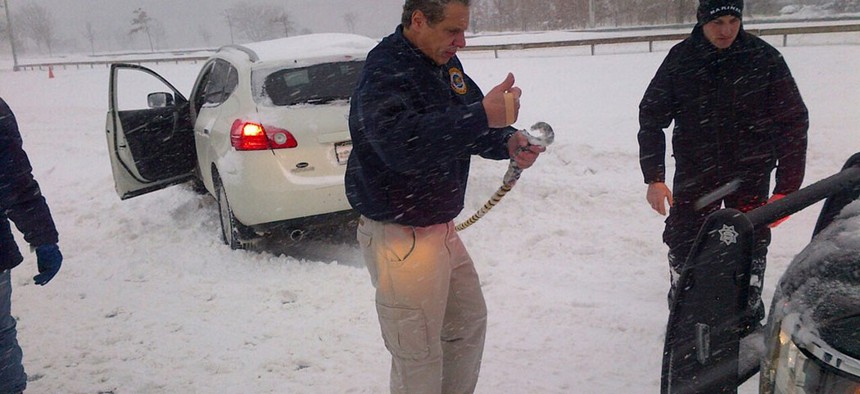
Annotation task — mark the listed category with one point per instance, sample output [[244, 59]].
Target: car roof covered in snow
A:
[[298, 49]]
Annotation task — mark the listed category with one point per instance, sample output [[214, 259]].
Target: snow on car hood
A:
[[821, 288]]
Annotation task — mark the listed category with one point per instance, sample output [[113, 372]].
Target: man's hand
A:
[[494, 103], [49, 259], [658, 193], [521, 152], [782, 219]]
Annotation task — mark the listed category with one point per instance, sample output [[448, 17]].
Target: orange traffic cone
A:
[[50, 72]]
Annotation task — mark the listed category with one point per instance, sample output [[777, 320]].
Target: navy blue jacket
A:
[[738, 114], [415, 126], [20, 197]]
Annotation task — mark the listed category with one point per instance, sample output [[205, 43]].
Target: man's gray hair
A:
[[434, 10]]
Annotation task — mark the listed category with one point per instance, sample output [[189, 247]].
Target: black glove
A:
[[49, 259]]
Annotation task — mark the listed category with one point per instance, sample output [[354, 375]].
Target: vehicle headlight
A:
[[813, 367]]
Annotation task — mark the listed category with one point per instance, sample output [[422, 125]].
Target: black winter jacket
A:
[[738, 115], [20, 197], [414, 126]]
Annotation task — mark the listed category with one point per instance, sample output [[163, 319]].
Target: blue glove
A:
[[49, 259]]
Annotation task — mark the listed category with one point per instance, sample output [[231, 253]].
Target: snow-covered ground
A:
[[571, 261]]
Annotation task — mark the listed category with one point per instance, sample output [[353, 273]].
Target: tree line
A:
[[539, 15], [35, 28]]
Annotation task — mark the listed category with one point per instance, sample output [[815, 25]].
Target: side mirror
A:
[[159, 100]]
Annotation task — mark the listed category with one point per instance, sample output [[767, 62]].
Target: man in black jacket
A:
[[738, 115], [416, 119], [22, 202]]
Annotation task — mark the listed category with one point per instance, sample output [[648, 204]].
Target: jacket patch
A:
[[458, 83]]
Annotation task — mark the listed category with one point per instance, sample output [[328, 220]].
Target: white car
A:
[[264, 131]]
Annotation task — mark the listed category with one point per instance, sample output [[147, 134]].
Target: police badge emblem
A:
[[458, 82]]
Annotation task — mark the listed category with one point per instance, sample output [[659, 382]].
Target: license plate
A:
[[342, 151]]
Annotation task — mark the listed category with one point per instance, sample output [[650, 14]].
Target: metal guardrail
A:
[[592, 43], [106, 63]]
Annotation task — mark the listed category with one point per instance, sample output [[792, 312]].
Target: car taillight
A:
[[280, 138], [254, 136], [248, 136]]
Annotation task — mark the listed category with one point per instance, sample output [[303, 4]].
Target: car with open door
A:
[[264, 131]]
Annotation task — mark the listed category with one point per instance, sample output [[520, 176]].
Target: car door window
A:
[[198, 97], [232, 80], [212, 95], [222, 81]]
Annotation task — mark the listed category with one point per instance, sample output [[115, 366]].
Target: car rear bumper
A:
[[261, 190]]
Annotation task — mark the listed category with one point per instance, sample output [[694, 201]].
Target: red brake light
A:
[[253, 136]]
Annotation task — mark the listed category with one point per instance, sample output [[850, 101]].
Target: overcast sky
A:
[[182, 19]]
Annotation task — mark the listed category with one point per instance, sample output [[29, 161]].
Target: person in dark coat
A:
[[738, 115], [21, 201], [416, 118]]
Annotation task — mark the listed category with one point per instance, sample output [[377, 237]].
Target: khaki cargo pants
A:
[[430, 305]]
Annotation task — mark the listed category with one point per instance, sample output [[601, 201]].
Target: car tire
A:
[[230, 227]]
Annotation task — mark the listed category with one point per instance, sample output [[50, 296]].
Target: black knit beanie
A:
[[713, 9]]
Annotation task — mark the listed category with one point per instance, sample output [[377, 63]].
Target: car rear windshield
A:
[[317, 84]]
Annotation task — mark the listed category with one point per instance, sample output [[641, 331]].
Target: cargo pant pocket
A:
[[404, 331]]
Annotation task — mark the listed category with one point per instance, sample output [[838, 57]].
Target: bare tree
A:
[[479, 15], [36, 23], [90, 35], [350, 18], [284, 21], [574, 14], [846, 5], [506, 14], [141, 23], [245, 19], [532, 14], [488, 15]]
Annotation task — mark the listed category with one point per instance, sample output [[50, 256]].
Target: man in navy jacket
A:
[[416, 119], [23, 203], [738, 115]]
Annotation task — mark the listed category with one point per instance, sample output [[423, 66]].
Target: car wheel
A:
[[229, 225]]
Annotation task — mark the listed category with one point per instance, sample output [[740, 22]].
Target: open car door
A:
[[150, 135]]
